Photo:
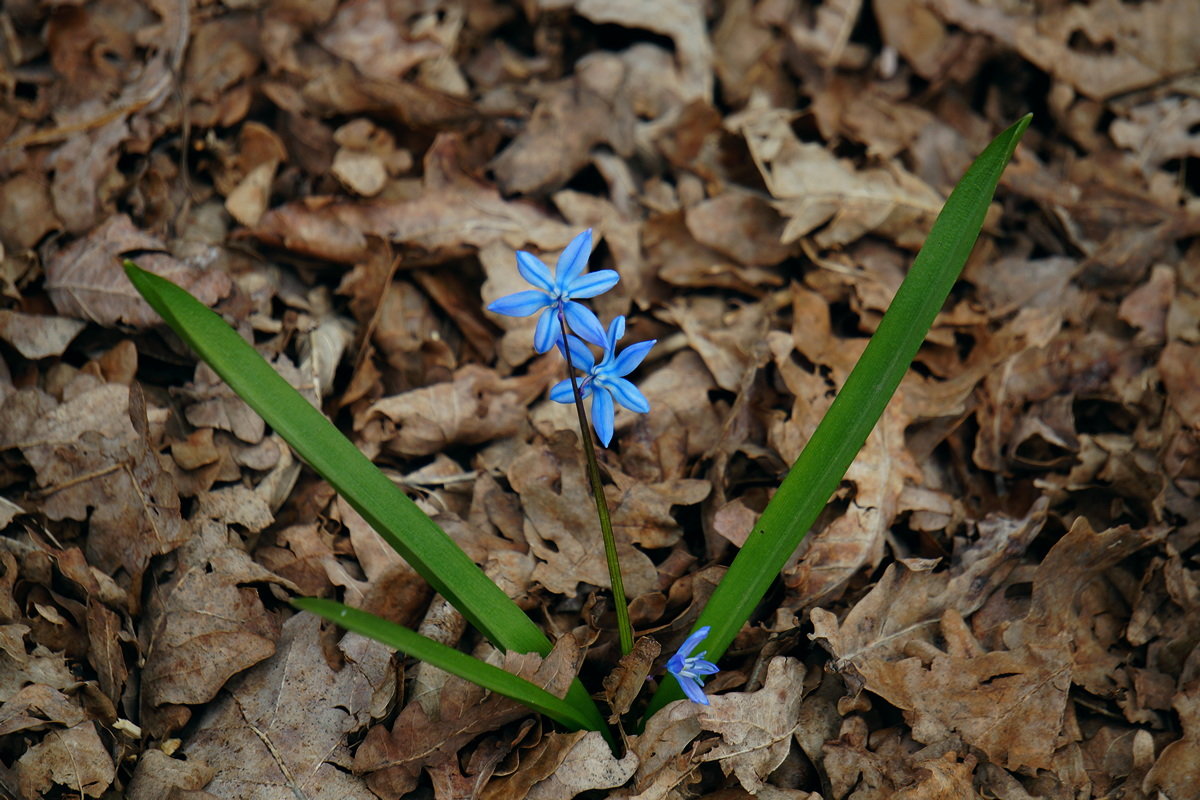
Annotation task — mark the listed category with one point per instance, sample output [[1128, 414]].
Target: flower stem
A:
[[624, 628]]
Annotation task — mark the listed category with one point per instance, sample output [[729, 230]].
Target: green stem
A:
[[624, 628]]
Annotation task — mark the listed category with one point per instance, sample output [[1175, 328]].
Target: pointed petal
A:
[[690, 643], [593, 283], [602, 415], [702, 667], [584, 323], [533, 270], [581, 357], [547, 332], [627, 394], [630, 357], [520, 304], [616, 329], [693, 690], [561, 391], [573, 260]]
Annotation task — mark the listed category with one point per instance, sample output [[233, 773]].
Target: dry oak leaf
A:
[[21, 667], [905, 605], [566, 764], [1176, 773], [94, 463], [560, 522], [280, 730], [85, 279], [203, 625], [570, 120], [476, 406], [393, 760], [38, 707], [454, 215], [755, 727], [1103, 48], [1072, 597], [683, 21], [157, 775], [38, 335], [813, 188], [74, 758], [1011, 704]]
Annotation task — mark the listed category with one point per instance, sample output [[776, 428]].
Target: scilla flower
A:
[[688, 669], [605, 381], [556, 295]]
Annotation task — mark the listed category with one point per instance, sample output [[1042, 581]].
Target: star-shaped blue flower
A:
[[556, 295], [605, 381], [688, 669]]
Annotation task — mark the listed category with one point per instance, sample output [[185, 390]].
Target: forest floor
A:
[[1003, 597]]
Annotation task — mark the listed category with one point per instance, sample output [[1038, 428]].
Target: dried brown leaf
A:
[[94, 465], [38, 335], [281, 729], [1011, 704], [85, 279], [75, 758], [755, 727], [561, 526]]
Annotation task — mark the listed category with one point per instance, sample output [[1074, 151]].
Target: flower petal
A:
[[693, 690], [627, 394], [690, 643], [548, 331], [593, 283], [533, 270], [602, 415], [581, 357], [702, 667], [519, 304], [561, 391], [630, 357], [583, 323], [573, 260]]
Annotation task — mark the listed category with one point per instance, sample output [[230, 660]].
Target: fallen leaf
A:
[[281, 729], [755, 727], [38, 336], [74, 758], [85, 279]]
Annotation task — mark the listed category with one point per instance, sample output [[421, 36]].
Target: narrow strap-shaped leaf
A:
[[853, 414], [439, 655], [396, 518]]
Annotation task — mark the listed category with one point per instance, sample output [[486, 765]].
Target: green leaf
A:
[[814, 477], [397, 519], [439, 655]]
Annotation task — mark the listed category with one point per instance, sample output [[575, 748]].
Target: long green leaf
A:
[[814, 477], [439, 655], [388, 510]]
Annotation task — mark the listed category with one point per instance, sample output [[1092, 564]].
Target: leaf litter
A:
[[1001, 598]]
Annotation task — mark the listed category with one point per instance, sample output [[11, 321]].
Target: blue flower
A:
[[688, 668], [605, 381], [556, 295]]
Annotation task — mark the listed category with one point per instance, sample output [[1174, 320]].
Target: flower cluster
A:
[[604, 380]]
